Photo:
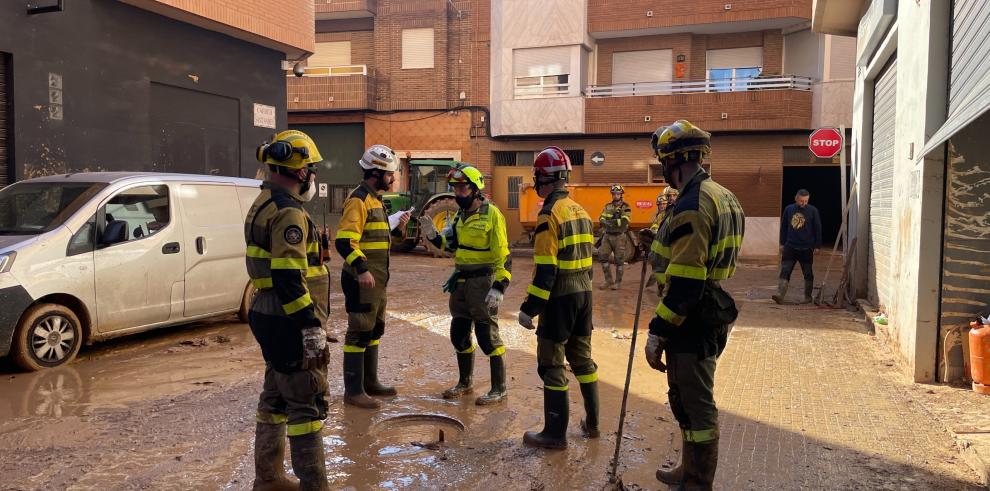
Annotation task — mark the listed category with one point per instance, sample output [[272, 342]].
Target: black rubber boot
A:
[[308, 462], [701, 461], [554, 434], [589, 425], [607, 272], [371, 384], [269, 459], [498, 392], [675, 475], [465, 369], [809, 289], [781, 291], [354, 394]]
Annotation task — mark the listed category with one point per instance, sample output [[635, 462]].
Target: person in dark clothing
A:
[[800, 240]]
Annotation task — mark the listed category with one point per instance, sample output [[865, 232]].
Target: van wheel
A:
[[249, 292], [47, 336]]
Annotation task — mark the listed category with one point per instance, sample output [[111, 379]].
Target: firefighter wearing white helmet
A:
[[482, 271], [363, 240], [614, 222]]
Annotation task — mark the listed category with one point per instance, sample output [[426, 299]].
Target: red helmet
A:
[[552, 164]]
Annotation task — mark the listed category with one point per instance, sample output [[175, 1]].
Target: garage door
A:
[[4, 118], [882, 181]]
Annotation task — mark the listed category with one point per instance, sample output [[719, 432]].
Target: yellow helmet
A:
[[464, 173], [680, 138], [617, 188], [291, 149], [670, 191]]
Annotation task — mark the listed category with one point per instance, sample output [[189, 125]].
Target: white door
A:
[[213, 241], [138, 259]]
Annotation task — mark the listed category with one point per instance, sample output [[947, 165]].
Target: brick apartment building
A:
[[144, 85], [491, 81]]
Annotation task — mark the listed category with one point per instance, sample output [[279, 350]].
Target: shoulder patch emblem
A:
[[293, 235]]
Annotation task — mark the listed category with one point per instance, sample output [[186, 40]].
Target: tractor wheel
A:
[[442, 212]]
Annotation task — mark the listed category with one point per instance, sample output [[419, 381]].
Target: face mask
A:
[[464, 202], [307, 190]]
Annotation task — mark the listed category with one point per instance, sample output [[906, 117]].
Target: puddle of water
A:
[[409, 435]]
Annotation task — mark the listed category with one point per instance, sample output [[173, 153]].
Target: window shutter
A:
[[337, 53], [642, 66], [532, 62], [417, 48], [735, 58]]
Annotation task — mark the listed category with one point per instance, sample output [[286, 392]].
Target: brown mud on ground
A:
[[807, 403]]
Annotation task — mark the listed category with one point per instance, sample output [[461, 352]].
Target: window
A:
[[134, 214], [32, 208], [541, 72], [84, 240], [576, 156], [337, 53], [514, 183], [731, 69], [417, 48]]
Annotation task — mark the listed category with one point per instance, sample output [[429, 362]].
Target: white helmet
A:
[[379, 157]]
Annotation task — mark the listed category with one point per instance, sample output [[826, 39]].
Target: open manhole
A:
[[409, 434]]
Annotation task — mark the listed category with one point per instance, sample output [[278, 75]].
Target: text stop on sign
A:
[[825, 142]]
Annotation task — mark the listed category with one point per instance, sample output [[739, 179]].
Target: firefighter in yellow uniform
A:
[[665, 205], [288, 315], [363, 240], [614, 221], [560, 295], [699, 243], [482, 271]]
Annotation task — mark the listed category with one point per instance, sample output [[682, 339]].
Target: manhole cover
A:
[[408, 434]]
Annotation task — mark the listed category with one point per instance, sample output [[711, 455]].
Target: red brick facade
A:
[[620, 15]]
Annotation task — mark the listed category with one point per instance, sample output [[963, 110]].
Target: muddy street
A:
[[808, 400]]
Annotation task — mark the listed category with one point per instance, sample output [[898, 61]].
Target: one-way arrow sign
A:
[[597, 159]]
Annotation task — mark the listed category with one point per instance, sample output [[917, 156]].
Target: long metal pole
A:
[[613, 476]]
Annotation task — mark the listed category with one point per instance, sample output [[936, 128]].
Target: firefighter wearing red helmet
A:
[[560, 295]]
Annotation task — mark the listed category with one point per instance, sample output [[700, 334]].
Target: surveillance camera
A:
[[298, 70]]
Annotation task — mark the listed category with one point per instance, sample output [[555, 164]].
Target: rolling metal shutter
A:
[[4, 118], [417, 48], [337, 53], [882, 182], [969, 78], [970, 52], [734, 58], [532, 62], [642, 66]]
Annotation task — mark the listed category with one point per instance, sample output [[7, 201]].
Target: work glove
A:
[[428, 228], [646, 238], [315, 351], [655, 346], [526, 321], [493, 299]]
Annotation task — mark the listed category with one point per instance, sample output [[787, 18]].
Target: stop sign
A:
[[825, 142]]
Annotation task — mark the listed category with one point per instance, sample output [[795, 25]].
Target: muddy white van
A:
[[91, 256]]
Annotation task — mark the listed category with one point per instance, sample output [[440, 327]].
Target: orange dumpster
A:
[[642, 198]]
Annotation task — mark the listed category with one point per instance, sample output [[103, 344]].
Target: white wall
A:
[[918, 184], [528, 24]]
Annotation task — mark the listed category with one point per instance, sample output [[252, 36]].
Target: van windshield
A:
[[31, 208]]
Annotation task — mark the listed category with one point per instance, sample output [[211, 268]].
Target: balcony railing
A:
[[786, 82], [329, 88], [329, 9]]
